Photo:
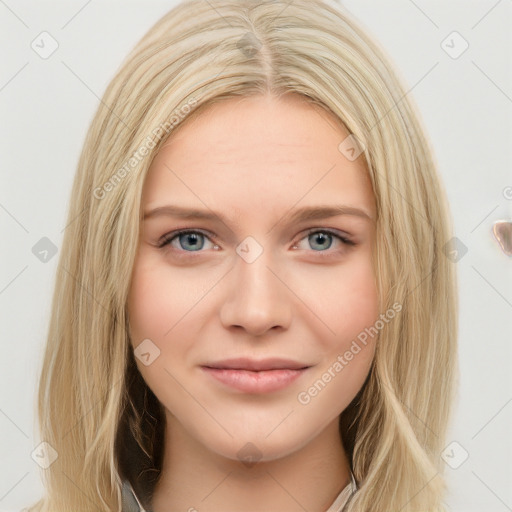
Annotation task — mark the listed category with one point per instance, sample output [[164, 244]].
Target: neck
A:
[[195, 478]]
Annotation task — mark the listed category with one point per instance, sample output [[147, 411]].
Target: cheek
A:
[[158, 303], [350, 309], [146, 304], [159, 299], [165, 306], [357, 302], [345, 300]]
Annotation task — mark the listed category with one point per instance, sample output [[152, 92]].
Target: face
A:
[[246, 321]]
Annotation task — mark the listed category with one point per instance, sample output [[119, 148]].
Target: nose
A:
[[257, 298]]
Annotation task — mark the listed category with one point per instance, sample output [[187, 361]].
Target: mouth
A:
[[253, 376]]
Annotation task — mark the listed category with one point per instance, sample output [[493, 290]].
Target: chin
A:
[[252, 447]]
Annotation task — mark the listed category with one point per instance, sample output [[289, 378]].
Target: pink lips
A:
[[251, 376]]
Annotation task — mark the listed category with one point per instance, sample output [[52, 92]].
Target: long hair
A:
[[94, 408]]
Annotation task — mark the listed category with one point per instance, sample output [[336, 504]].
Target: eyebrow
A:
[[299, 215]]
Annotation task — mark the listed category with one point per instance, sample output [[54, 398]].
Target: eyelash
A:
[[169, 237]]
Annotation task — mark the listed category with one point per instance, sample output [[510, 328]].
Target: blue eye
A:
[[322, 239], [188, 240], [319, 238], [193, 241]]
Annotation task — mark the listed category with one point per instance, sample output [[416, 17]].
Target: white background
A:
[[46, 106]]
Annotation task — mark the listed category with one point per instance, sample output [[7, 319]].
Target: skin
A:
[[254, 160]]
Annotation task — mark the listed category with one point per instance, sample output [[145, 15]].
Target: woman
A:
[[246, 313]]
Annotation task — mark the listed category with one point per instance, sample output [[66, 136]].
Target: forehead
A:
[[243, 151], [238, 123]]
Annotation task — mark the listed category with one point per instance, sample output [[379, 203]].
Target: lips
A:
[[255, 376], [257, 366]]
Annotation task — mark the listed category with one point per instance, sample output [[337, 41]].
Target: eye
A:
[[321, 240], [191, 240], [186, 240]]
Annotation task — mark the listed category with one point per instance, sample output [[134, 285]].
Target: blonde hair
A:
[[94, 408]]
